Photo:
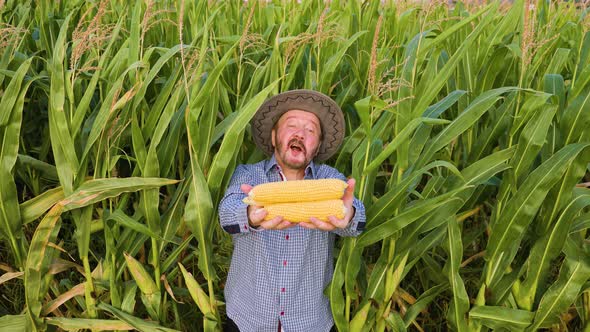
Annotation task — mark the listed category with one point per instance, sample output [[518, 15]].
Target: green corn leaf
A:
[[150, 294], [10, 217], [555, 85], [385, 206], [93, 191], [395, 321], [330, 67], [501, 317], [405, 218], [138, 143], [360, 318], [419, 246], [482, 170], [153, 74], [134, 38], [198, 216], [490, 134], [449, 31], [575, 119], [229, 145], [376, 285], [548, 248], [143, 279], [558, 61], [12, 91], [37, 264], [422, 302], [430, 91], [463, 122], [532, 139], [460, 301], [337, 302], [84, 103], [197, 293], [573, 274], [395, 271], [401, 138], [63, 145], [526, 112], [581, 80], [46, 170], [205, 91], [75, 324], [137, 323], [131, 223], [108, 110], [514, 219], [423, 131], [13, 323], [363, 108], [580, 223]]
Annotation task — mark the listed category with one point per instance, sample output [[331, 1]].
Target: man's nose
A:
[[300, 133]]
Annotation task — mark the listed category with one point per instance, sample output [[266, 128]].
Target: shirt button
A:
[[282, 313], [285, 263], [283, 289], [287, 237]]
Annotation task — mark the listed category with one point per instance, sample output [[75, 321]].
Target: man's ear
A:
[[272, 137]]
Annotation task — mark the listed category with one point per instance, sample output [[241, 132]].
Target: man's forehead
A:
[[298, 114]]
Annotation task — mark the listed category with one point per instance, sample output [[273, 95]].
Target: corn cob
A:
[[296, 191], [302, 211]]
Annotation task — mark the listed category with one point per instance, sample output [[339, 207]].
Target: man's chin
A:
[[296, 163]]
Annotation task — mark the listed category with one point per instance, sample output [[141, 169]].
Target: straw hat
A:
[[326, 109]]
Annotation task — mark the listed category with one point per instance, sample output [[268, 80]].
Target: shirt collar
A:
[[310, 170]]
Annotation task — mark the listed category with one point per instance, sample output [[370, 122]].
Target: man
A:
[[279, 269]]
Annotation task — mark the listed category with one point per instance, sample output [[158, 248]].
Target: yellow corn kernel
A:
[[296, 191], [302, 211]]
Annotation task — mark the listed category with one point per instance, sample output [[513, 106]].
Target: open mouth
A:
[[296, 146]]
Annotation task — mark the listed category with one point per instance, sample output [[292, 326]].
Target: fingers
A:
[[339, 223], [349, 192], [246, 188], [277, 223], [256, 214], [327, 226]]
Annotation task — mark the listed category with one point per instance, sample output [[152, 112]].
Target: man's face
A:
[[296, 138]]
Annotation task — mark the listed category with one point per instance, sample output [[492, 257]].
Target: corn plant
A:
[[122, 122]]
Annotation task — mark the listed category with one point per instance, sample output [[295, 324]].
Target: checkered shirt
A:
[[279, 274]]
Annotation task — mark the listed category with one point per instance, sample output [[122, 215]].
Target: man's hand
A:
[[257, 213], [334, 222]]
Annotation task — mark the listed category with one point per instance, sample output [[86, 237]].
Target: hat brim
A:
[[326, 109]]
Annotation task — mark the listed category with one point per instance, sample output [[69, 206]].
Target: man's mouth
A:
[[296, 146]]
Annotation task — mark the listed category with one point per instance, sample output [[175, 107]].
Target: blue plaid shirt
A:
[[279, 274]]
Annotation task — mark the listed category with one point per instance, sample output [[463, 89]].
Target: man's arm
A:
[[233, 213], [235, 216]]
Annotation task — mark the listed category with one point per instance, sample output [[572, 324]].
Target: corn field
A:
[[121, 123]]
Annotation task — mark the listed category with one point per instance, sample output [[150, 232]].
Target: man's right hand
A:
[[257, 213]]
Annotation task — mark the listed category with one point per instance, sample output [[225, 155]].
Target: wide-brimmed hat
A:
[[326, 109]]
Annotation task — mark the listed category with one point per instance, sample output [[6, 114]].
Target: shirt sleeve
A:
[[357, 223], [233, 212]]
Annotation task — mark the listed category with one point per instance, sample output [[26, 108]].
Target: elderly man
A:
[[279, 269]]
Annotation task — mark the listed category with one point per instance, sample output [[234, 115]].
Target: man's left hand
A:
[[334, 222]]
